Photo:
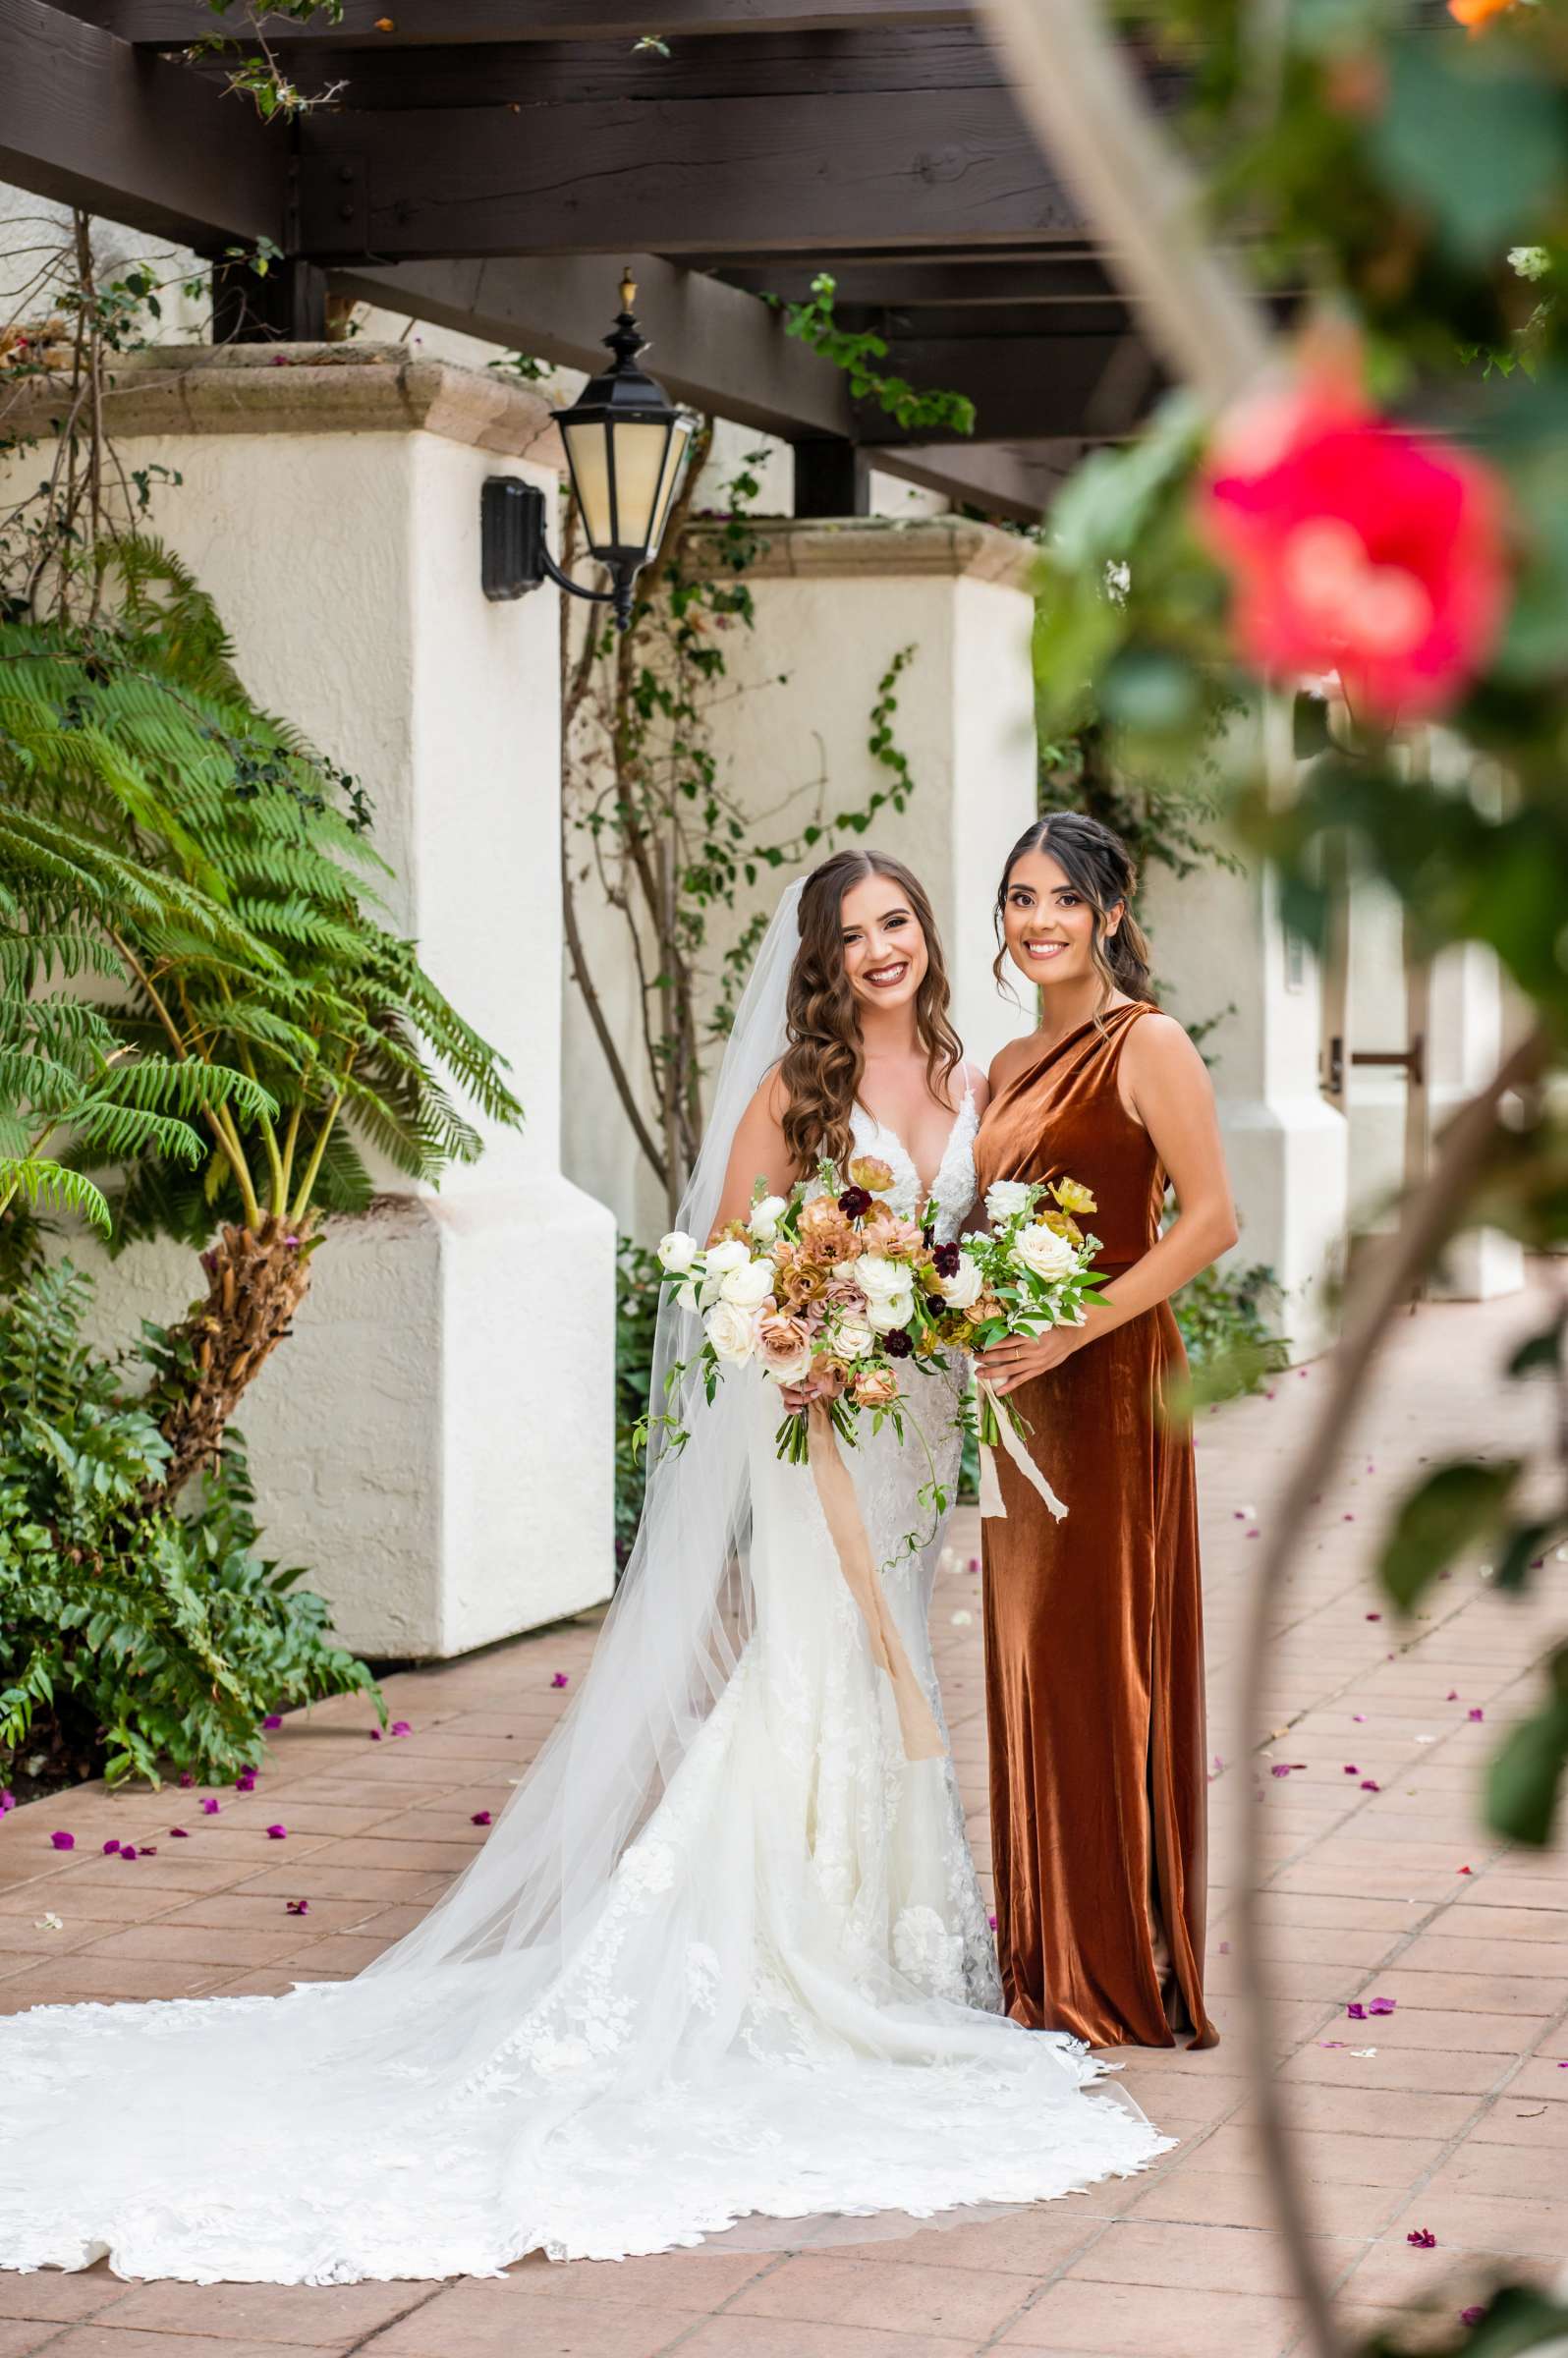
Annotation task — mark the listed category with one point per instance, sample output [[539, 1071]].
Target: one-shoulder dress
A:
[[1093, 1625]]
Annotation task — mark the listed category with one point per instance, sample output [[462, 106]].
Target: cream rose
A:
[[728, 1254], [878, 1280], [748, 1286], [854, 1339], [677, 1252], [764, 1217], [896, 1311], [1006, 1197], [962, 1289], [732, 1332], [1041, 1249]]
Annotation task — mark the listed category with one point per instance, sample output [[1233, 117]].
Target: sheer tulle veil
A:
[[668, 1646]]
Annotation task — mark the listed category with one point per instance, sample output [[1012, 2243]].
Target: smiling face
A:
[[885, 950], [1047, 924]]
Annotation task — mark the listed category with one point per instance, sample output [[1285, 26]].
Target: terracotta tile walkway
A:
[[1451, 2113]]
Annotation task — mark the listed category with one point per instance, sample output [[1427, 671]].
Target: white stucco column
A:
[[835, 602], [441, 1465], [1221, 952], [1464, 1048]]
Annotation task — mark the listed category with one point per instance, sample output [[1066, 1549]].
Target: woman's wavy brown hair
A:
[[825, 1060]]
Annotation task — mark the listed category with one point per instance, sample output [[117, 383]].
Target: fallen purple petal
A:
[[209, 1806], [1382, 2005], [375, 1735], [1374, 1616], [184, 1777], [111, 1844], [1423, 2238], [277, 1833], [1351, 1769], [274, 1720], [64, 1841], [129, 1850], [177, 1834], [561, 1679], [1477, 1715], [1369, 1785], [298, 1907], [1452, 1695], [1358, 1715], [7, 1800], [401, 1727], [1357, 2013]]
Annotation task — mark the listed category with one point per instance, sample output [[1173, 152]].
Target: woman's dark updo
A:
[[1099, 867]]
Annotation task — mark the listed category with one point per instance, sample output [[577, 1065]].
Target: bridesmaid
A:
[[1093, 1626]]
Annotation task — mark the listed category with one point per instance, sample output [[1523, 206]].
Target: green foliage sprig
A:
[[857, 351]]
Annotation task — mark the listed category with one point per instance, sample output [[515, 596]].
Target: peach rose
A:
[[784, 1346], [873, 1387]]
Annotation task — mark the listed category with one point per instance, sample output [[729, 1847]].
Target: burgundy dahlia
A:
[[898, 1345], [854, 1203]]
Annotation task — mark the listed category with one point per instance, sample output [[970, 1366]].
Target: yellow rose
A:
[[870, 1172], [1073, 1196], [1063, 1224]]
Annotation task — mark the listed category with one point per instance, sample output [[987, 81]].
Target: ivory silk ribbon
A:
[[990, 1489], [922, 1738]]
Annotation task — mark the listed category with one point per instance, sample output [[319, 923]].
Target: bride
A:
[[724, 1954]]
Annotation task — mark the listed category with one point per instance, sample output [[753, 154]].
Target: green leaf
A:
[[1471, 139], [1446, 1513], [1522, 1781]]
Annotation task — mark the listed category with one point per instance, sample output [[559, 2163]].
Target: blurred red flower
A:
[[1355, 547]]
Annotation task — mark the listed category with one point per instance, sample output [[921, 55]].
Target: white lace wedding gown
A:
[[786, 2002]]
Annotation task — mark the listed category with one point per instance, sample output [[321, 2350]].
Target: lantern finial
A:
[[628, 289]]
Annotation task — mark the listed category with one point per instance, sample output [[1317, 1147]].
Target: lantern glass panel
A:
[[640, 454], [588, 456], [680, 437]]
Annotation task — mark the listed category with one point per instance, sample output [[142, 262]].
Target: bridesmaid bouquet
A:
[[1031, 1272], [837, 1293]]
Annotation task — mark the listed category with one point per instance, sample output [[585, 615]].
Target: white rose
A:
[[853, 1339], [765, 1217], [878, 1280], [677, 1252], [896, 1311], [1006, 1197], [748, 1286], [728, 1328], [1048, 1255], [728, 1254], [963, 1288]]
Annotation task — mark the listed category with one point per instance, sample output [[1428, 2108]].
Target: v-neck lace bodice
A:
[[952, 1192]]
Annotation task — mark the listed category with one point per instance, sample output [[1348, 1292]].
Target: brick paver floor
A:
[[1451, 2113]]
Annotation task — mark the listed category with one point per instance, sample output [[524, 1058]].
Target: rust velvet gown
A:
[[1093, 1626]]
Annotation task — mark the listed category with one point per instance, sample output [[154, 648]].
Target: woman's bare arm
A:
[[759, 1152]]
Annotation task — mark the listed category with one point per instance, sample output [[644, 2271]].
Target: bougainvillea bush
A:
[[131, 1644]]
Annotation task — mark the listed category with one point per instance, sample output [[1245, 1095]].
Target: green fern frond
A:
[[49, 1185]]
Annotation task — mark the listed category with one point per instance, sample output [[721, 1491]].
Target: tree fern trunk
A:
[[258, 1277]]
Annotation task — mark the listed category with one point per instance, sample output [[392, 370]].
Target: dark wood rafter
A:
[[490, 163], [387, 24], [89, 121]]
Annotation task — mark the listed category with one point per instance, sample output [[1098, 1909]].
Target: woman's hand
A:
[[1015, 1360], [798, 1396]]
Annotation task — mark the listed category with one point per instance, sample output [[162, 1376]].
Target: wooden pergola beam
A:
[[1025, 387], [712, 346], [89, 121], [413, 24], [820, 173]]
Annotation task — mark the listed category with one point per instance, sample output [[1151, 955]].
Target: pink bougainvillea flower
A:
[[277, 1833], [1423, 2238], [110, 1845], [1380, 2005], [7, 1800], [480, 1818], [245, 1783], [1356, 2013], [185, 1778], [274, 1720], [1354, 545], [63, 1841], [209, 1806], [1351, 1769], [298, 1907], [1369, 1785], [129, 1850], [177, 1834], [561, 1679], [150, 1850], [1477, 1715], [401, 1727]]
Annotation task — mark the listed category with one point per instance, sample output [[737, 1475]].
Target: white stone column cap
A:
[[809, 548], [303, 390]]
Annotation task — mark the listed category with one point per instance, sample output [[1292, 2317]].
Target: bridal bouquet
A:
[[1031, 1272], [835, 1291]]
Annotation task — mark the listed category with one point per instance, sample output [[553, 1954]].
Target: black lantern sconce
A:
[[625, 444]]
